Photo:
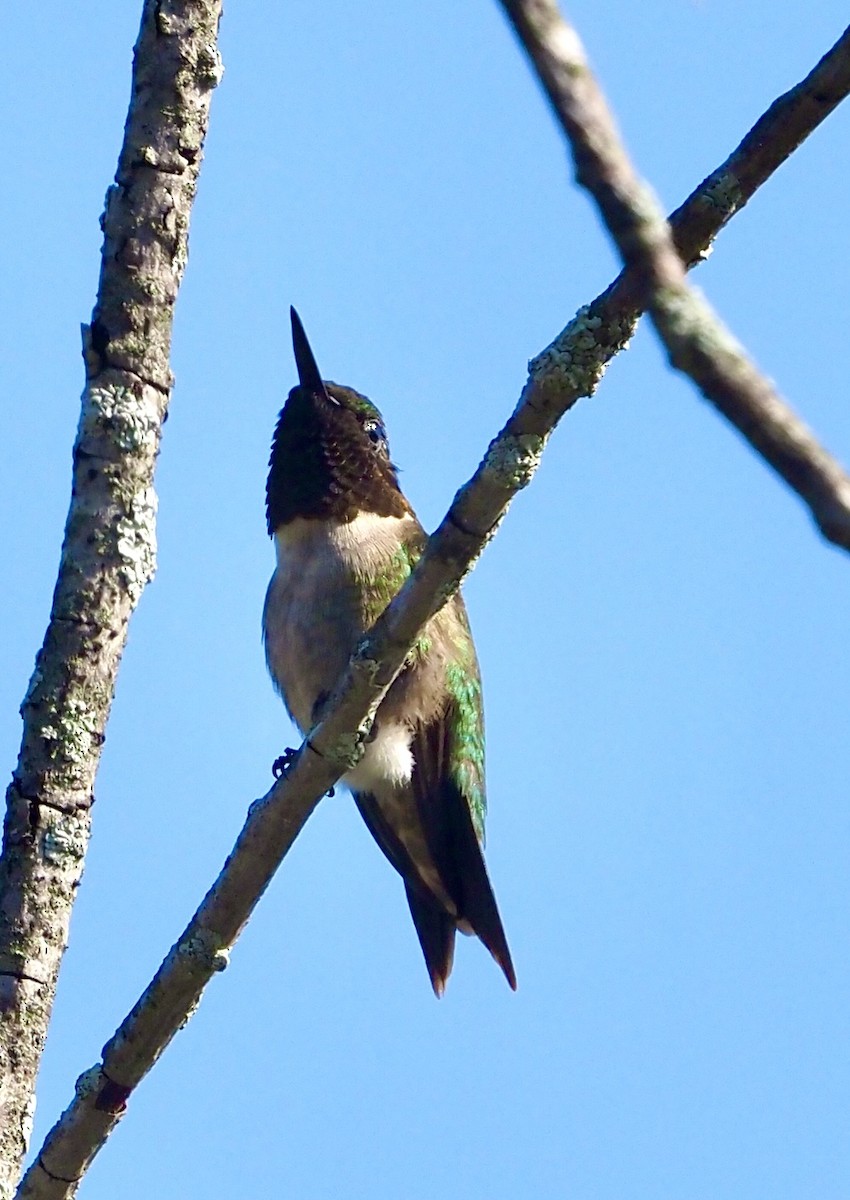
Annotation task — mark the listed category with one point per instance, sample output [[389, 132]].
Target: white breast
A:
[[327, 547], [312, 619]]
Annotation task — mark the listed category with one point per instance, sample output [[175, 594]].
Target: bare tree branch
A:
[[697, 342], [782, 128], [109, 548], [574, 363], [570, 368], [273, 824]]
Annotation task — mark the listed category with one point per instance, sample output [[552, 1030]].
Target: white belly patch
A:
[[388, 761]]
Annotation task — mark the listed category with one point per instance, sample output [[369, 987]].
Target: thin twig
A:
[[109, 547], [697, 342], [570, 368]]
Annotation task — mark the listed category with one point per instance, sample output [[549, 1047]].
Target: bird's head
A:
[[330, 457]]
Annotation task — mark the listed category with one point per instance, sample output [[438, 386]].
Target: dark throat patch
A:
[[324, 464]]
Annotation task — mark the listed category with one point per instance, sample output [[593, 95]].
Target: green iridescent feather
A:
[[466, 761], [466, 735]]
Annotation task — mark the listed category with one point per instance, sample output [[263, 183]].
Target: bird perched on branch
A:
[[346, 539]]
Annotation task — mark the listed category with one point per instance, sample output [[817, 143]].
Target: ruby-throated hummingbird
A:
[[346, 539]]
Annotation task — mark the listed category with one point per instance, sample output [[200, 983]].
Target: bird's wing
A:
[[448, 784]]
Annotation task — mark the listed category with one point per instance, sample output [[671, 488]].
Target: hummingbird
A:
[[346, 539]]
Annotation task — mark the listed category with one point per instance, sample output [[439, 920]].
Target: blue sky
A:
[[663, 635]]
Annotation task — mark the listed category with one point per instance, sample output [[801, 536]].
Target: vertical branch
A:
[[109, 548]]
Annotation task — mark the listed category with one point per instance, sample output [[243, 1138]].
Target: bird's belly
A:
[[310, 632], [332, 581], [387, 762]]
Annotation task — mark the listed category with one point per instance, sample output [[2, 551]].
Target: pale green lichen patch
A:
[[71, 729], [575, 361], [512, 460], [131, 425], [165, 23], [210, 65], [28, 1119], [136, 543], [62, 844], [181, 257]]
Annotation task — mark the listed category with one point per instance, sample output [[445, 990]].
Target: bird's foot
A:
[[281, 765]]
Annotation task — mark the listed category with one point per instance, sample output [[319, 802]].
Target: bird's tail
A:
[[461, 865], [476, 902], [436, 932]]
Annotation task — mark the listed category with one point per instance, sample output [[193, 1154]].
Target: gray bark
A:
[[696, 341], [571, 368], [108, 554]]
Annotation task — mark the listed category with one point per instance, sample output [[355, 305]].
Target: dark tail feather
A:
[[470, 889], [478, 904], [436, 930], [434, 927]]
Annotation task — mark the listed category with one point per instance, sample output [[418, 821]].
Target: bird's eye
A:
[[375, 430]]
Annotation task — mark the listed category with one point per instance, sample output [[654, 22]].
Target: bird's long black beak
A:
[[308, 371]]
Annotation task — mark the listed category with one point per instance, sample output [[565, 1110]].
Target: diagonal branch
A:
[[697, 342], [568, 369], [574, 363], [109, 547], [271, 827]]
